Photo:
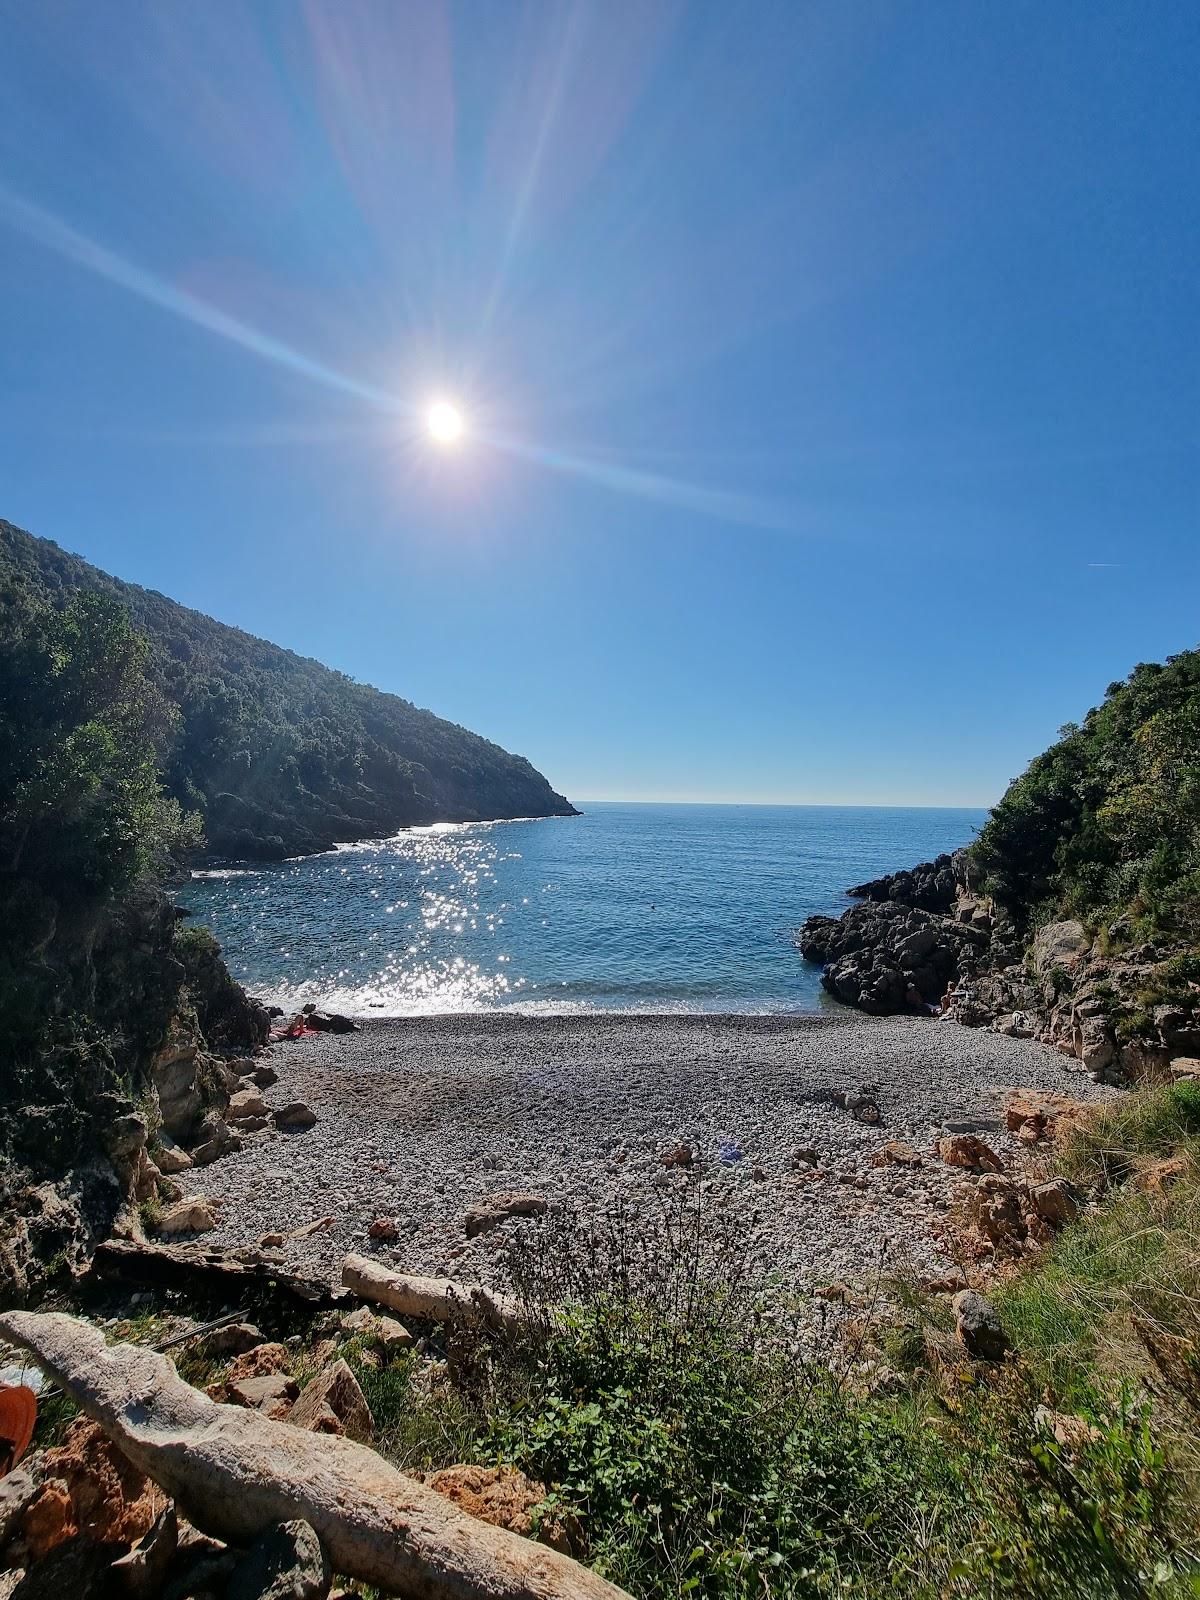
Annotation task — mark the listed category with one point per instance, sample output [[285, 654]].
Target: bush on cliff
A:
[[1107, 821]]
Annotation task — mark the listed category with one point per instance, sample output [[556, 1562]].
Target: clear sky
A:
[[830, 371]]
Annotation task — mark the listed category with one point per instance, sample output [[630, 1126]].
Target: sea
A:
[[640, 908]]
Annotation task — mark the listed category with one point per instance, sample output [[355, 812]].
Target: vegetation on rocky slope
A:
[[277, 754], [1106, 823], [92, 967]]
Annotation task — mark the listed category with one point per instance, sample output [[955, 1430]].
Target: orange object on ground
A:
[[18, 1413]]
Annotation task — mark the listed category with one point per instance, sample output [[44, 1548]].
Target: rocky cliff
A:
[[1075, 916], [87, 1117], [928, 940]]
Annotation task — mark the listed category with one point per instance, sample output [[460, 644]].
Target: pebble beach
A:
[[421, 1120]]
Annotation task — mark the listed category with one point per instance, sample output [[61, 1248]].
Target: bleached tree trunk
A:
[[234, 1473]]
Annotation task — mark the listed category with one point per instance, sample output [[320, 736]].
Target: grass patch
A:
[[1105, 1148]]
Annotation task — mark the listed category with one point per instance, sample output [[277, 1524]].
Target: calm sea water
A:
[[628, 907]]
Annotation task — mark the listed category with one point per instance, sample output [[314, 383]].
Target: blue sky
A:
[[831, 372]]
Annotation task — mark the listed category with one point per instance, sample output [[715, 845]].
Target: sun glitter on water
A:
[[444, 422]]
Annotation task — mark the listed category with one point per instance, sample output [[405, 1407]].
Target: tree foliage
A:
[[82, 810], [1107, 821]]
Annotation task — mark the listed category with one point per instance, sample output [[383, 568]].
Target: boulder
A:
[[191, 1215], [997, 1211], [272, 1394], [896, 1152], [234, 1339], [1058, 944], [978, 1326], [173, 1071], [18, 1490], [284, 1563], [294, 1115], [257, 1362], [79, 1568], [213, 1139], [1055, 1201], [437, 1299], [170, 1157], [383, 1230], [498, 1208], [679, 1155], [969, 1151], [1156, 1177], [333, 1402], [245, 1105]]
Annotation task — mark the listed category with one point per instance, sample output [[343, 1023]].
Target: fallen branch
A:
[[230, 1273], [439, 1299], [235, 1473]]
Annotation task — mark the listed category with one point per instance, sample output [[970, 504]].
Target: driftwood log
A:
[[235, 1473], [438, 1299], [204, 1267]]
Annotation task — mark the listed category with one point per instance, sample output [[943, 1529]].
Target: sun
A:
[[444, 422]]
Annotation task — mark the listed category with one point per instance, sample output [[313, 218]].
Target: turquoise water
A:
[[633, 907]]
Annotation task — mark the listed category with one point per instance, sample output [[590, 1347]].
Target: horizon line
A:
[[799, 805]]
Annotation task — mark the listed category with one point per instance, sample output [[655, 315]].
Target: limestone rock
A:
[[1159, 1176], [213, 1140], [272, 1394], [234, 1339], [294, 1115], [1058, 944], [246, 1105], [978, 1326], [333, 1403], [192, 1215], [18, 1490], [170, 1157], [1055, 1201], [141, 1572], [79, 1568], [969, 1151], [896, 1152], [497, 1208], [385, 1331], [258, 1362], [996, 1209], [284, 1563]]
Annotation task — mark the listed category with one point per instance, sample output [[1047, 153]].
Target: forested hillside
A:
[[1106, 823], [278, 754]]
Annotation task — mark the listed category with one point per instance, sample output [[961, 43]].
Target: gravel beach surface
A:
[[422, 1119]]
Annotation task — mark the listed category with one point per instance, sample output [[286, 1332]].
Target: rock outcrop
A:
[[927, 940]]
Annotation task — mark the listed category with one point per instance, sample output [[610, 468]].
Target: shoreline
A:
[[420, 1120]]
